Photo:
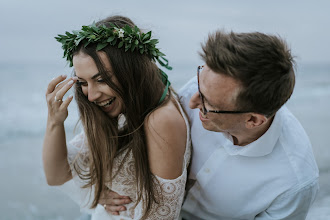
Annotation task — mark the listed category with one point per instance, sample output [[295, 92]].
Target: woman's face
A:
[[93, 86]]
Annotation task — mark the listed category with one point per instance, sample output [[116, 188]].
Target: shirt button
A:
[[207, 170]]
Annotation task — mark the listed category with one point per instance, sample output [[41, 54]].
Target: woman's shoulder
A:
[[167, 116], [166, 135]]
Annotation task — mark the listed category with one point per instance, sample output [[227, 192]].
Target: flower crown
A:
[[130, 38]]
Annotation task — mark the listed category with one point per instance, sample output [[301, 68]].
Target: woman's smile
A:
[[93, 85], [107, 105]]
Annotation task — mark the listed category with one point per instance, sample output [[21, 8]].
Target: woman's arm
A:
[[56, 166], [166, 135]]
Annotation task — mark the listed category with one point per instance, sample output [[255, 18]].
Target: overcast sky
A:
[[28, 27]]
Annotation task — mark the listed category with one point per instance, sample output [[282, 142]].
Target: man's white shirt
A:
[[274, 177]]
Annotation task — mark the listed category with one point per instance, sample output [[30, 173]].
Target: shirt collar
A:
[[262, 146]]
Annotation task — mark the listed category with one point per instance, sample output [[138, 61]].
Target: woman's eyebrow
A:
[[96, 75], [93, 77]]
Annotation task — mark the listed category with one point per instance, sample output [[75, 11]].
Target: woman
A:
[[136, 135]]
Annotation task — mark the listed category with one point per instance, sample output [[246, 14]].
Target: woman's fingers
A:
[[52, 85], [64, 89], [57, 107], [66, 103]]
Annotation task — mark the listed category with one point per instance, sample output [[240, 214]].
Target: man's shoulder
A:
[[185, 93], [297, 147], [292, 132], [188, 89]]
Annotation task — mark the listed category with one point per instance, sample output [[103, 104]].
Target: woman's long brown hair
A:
[[140, 89]]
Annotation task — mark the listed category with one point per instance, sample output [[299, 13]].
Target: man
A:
[[254, 160], [251, 157]]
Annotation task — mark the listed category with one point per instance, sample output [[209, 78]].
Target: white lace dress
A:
[[124, 184]]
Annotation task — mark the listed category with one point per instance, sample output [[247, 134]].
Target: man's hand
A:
[[113, 202]]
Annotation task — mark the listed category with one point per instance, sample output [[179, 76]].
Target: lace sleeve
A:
[[77, 152], [76, 148], [172, 197], [172, 194], [172, 191]]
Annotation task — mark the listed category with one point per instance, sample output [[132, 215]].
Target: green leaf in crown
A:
[[128, 38]]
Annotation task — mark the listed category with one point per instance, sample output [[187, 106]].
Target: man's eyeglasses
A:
[[205, 111]]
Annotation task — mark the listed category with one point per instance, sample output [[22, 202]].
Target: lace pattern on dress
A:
[[124, 183]]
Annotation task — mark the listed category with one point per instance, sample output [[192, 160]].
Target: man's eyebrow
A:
[[205, 99]]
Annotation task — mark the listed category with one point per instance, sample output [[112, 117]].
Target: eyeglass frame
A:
[[204, 109]]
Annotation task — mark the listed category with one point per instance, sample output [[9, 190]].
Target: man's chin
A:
[[211, 127], [207, 126]]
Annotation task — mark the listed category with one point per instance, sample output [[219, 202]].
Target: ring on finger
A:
[[105, 206], [57, 100]]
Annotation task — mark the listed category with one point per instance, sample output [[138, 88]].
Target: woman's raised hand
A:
[[57, 107]]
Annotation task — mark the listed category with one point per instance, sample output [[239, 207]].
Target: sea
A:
[[24, 193]]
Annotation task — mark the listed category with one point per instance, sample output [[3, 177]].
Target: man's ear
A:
[[255, 120]]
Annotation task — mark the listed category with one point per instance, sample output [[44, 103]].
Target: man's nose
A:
[[195, 101]]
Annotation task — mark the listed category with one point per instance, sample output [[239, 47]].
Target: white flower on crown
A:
[[121, 33]]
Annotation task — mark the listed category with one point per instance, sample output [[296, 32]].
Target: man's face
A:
[[219, 92]]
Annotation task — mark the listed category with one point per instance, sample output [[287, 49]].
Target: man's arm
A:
[[114, 202], [293, 204]]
